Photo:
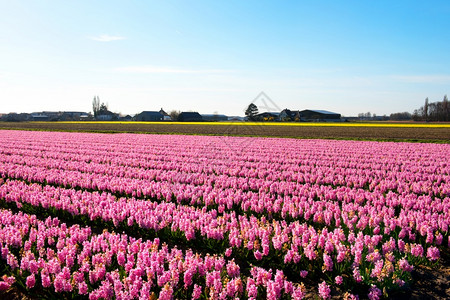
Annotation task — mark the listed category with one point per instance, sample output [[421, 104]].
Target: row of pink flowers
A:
[[110, 265], [309, 201]]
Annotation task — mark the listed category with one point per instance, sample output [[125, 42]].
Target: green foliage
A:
[[251, 112]]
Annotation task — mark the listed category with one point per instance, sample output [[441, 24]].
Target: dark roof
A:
[[324, 112], [190, 116], [191, 113], [106, 113], [146, 112], [149, 116], [163, 112]]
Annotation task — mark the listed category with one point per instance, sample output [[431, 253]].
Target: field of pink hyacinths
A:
[[128, 216]]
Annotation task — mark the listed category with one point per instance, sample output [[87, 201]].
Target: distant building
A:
[[107, 116], [287, 115], [214, 117], [268, 116], [319, 115], [190, 117], [38, 116], [73, 116], [166, 116], [149, 116], [53, 115], [126, 118], [86, 117]]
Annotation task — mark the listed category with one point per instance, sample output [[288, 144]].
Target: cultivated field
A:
[[419, 132], [189, 216]]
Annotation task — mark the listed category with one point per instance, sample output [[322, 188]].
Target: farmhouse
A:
[[37, 116], [190, 117], [166, 116], [107, 116], [126, 118], [149, 116], [73, 116]]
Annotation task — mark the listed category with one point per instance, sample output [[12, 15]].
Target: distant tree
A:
[[418, 114], [96, 105], [251, 112], [174, 115], [401, 116], [435, 111], [446, 109], [99, 108], [103, 108]]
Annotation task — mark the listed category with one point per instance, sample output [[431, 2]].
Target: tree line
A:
[[433, 112]]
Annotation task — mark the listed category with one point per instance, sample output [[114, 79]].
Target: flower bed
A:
[[347, 215]]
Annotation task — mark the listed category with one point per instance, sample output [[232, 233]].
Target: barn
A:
[[190, 117], [149, 116], [319, 115]]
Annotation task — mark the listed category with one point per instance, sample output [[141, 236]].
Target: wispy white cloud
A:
[[106, 38], [168, 70], [438, 79]]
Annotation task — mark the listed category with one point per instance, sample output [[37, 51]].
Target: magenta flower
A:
[[258, 255], [357, 275], [31, 281], [433, 253], [45, 278], [374, 293], [303, 273], [252, 289], [324, 290], [197, 292], [327, 263], [6, 282]]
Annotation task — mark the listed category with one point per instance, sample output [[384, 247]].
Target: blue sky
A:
[[217, 56]]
